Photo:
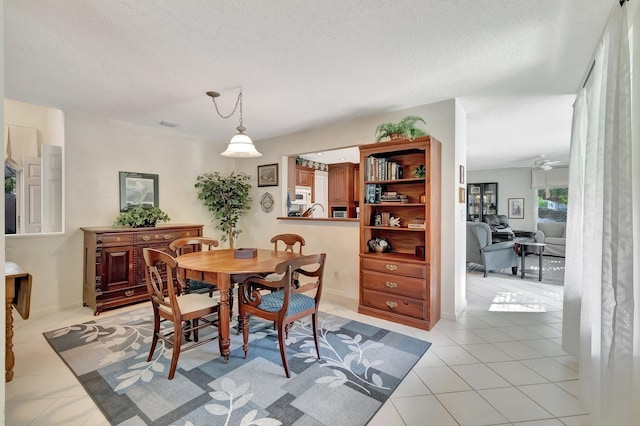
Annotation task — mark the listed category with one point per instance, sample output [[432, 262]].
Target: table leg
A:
[[522, 259], [224, 284], [9, 358], [540, 263]]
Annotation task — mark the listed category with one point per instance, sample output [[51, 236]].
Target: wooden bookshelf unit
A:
[[401, 284]]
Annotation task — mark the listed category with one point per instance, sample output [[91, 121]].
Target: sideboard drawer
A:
[[114, 239], [394, 303], [168, 235], [392, 267], [394, 284], [123, 293]]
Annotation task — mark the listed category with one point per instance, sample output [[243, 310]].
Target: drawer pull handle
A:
[[391, 305], [166, 236], [391, 267], [128, 293], [391, 284], [146, 237]]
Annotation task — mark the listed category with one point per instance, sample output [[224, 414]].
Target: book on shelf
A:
[[394, 201], [382, 169], [417, 223], [390, 195]]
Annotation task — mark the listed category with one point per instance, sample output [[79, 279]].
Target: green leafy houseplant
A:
[[420, 171], [405, 128], [141, 216], [227, 198]]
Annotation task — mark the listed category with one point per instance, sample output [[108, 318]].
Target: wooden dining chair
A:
[[289, 240], [285, 304], [186, 245], [197, 309]]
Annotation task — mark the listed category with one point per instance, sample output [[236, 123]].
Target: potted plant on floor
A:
[[227, 198]]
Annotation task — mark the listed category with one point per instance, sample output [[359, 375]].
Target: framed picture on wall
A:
[[268, 175], [516, 208], [138, 189]]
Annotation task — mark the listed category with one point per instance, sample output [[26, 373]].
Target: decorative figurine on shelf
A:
[[379, 245], [394, 221], [420, 171]]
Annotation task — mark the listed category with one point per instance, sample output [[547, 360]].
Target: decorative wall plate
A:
[[266, 202]]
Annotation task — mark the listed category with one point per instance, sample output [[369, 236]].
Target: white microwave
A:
[[340, 214], [302, 195]]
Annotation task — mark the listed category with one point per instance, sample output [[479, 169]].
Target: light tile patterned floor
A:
[[496, 365]]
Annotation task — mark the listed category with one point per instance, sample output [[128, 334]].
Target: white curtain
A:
[[602, 282]]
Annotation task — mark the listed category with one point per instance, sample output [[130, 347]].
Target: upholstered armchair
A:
[[482, 250]]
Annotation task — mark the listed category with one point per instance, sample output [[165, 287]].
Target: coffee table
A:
[[531, 247]]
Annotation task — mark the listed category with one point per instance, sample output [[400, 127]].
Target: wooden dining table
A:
[[217, 267]]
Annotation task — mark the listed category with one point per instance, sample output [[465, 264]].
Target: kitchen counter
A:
[[322, 219]]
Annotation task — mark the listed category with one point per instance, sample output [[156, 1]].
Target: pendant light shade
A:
[[241, 145]]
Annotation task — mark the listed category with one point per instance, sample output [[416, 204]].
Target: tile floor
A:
[[500, 364]]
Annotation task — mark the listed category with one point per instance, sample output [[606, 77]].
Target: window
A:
[[10, 177], [552, 204]]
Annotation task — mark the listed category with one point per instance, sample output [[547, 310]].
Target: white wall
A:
[[459, 296], [512, 183], [341, 240], [96, 149]]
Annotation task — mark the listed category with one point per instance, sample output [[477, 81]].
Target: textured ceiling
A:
[[306, 64]]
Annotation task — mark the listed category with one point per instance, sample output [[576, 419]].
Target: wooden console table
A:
[[18, 294]]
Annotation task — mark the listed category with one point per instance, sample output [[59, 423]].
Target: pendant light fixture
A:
[[241, 145]]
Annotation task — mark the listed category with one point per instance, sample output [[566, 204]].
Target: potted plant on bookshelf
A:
[[141, 216], [403, 129]]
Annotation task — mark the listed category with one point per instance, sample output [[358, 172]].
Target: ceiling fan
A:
[[545, 164]]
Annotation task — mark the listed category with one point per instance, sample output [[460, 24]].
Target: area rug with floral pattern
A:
[[360, 366]]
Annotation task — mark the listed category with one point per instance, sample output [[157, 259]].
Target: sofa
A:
[[553, 234], [482, 250]]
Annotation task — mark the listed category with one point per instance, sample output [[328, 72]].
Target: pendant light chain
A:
[[240, 100], [241, 145], [235, 108]]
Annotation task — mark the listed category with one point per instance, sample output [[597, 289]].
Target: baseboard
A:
[[346, 294], [454, 316]]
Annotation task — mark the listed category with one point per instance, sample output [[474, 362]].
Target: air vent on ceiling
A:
[[168, 124]]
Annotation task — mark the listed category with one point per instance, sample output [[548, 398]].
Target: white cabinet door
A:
[[51, 188], [32, 195], [321, 188]]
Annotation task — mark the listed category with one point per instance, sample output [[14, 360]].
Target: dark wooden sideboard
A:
[[113, 264]]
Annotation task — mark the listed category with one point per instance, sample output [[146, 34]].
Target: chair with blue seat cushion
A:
[[186, 245], [289, 241], [285, 304]]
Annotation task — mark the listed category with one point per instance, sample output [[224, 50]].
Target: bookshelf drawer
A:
[[415, 270], [396, 304], [394, 284]]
